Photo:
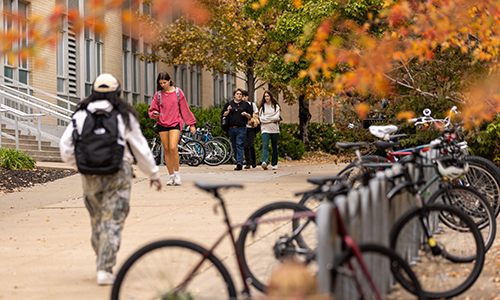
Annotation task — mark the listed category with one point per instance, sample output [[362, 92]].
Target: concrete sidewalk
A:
[[45, 230]]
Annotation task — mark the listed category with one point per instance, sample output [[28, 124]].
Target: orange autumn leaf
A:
[[362, 109], [405, 115], [297, 3]]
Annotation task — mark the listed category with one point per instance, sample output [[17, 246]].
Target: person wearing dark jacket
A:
[[238, 113]]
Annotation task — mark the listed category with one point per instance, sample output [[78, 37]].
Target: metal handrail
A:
[[5, 86], [20, 115]]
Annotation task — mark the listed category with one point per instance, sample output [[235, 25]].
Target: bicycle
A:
[[265, 246], [468, 199], [482, 174], [216, 148], [441, 236], [204, 278], [190, 152], [200, 274]]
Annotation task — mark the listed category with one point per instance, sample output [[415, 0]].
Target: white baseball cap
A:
[[106, 83]]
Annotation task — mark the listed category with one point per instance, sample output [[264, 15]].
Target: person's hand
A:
[[156, 114], [229, 108], [157, 183], [192, 129]]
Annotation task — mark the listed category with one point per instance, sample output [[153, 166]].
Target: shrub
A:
[[15, 159], [147, 124]]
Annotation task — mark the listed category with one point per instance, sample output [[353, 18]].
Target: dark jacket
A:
[[234, 117]]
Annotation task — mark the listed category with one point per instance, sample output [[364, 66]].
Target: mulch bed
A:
[[16, 180]]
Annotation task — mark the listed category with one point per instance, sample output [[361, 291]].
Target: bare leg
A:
[[169, 139]]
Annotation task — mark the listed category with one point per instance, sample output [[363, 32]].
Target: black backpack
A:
[[99, 149]]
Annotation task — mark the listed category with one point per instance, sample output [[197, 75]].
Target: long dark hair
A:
[[118, 103], [163, 76], [274, 103]]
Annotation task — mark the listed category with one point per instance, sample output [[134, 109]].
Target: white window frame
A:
[[149, 77], [11, 20], [127, 66], [93, 57]]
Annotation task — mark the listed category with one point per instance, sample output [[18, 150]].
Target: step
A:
[[24, 136], [9, 143], [46, 156], [24, 147]]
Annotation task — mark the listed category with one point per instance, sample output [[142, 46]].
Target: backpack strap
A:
[[179, 102]]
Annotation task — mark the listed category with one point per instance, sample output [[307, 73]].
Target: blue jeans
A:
[[265, 147], [237, 136]]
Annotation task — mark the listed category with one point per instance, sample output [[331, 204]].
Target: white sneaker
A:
[[275, 167], [105, 278], [264, 166], [171, 180], [177, 179]]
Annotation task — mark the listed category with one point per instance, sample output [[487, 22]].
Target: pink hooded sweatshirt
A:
[[170, 110]]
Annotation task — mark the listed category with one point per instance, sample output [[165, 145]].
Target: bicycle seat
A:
[[386, 145], [350, 145], [212, 187], [323, 180], [382, 131]]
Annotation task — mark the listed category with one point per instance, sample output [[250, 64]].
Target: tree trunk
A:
[[304, 120], [250, 81]]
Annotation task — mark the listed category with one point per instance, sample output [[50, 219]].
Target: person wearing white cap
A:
[[107, 195]]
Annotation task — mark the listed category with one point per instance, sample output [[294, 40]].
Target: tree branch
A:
[[420, 91]]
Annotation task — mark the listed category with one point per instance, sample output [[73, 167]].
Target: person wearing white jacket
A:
[[269, 115], [107, 196]]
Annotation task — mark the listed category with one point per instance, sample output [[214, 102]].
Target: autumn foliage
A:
[[349, 54]]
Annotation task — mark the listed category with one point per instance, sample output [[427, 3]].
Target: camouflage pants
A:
[[107, 200]]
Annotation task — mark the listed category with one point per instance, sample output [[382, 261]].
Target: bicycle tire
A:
[[155, 146], [484, 176], [408, 241], [310, 201], [473, 204], [215, 152], [228, 145], [191, 153], [261, 246], [343, 287], [133, 282]]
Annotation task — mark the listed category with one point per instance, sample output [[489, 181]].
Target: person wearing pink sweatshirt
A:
[[171, 110]]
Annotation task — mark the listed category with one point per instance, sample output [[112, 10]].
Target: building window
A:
[[15, 20], [126, 67], [195, 86], [149, 77], [135, 71], [93, 57], [231, 85], [224, 85]]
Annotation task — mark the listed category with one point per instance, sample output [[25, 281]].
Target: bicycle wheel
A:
[[228, 145], [473, 204], [191, 153], [155, 146], [446, 264], [349, 282], [157, 271], [310, 201], [484, 176], [264, 245], [215, 152]]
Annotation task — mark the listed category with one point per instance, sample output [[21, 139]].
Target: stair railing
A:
[[18, 106], [17, 116]]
